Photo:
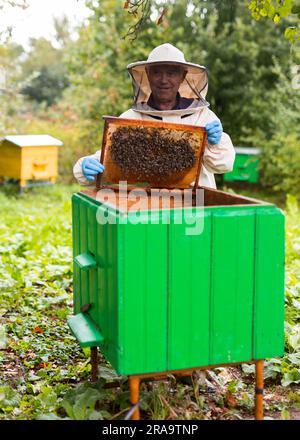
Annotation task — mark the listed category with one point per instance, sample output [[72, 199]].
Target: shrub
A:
[[280, 163]]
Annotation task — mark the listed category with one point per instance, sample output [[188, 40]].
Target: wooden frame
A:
[[113, 172]]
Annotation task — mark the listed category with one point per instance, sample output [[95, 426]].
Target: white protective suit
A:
[[217, 159]]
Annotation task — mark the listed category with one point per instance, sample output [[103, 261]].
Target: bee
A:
[[150, 152]]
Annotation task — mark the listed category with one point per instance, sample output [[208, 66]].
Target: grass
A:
[[45, 374]]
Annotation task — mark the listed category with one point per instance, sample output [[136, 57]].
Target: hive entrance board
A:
[[151, 153]]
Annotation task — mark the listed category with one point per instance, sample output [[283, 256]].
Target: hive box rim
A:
[[249, 201]]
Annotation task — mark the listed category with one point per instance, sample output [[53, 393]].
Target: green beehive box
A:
[[246, 166], [169, 289], [164, 300]]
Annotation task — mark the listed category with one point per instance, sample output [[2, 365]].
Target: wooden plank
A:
[[10, 160], [269, 284], [76, 251], [93, 273], [85, 330], [189, 296], [84, 276], [112, 294], [142, 302], [232, 285], [221, 198]]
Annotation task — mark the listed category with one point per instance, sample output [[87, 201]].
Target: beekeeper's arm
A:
[[86, 169], [219, 153]]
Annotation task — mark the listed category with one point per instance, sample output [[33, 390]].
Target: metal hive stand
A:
[[135, 380]]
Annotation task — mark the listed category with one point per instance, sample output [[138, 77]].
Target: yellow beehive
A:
[[29, 158]]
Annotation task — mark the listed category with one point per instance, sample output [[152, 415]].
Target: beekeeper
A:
[[168, 88]]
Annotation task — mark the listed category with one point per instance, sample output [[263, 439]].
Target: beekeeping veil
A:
[[193, 86]]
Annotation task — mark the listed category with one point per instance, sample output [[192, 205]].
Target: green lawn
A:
[[45, 374]]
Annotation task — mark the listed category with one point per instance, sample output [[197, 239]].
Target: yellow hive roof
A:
[[33, 140]]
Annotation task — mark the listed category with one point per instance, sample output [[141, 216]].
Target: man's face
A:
[[165, 80]]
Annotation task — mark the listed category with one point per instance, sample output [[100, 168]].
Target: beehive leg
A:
[[22, 185], [259, 389], [134, 384], [94, 362]]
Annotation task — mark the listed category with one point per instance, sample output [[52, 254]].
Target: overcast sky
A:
[[37, 20]]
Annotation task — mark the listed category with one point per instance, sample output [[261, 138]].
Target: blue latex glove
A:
[[214, 132], [91, 167]]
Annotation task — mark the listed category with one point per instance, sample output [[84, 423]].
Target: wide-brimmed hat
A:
[[193, 86]]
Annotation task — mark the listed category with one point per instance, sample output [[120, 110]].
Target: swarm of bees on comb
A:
[[147, 153]]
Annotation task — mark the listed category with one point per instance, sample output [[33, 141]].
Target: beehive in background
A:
[[246, 166], [29, 158]]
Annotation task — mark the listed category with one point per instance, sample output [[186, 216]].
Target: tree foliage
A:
[[47, 86], [242, 57], [13, 3], [6, 4], [248, 61], [44, 68], [275, 10], [237, 54], [10, 86], [280, 162], [39, 74]]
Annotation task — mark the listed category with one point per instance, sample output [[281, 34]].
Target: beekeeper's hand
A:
[[214, 132], [91, 167]]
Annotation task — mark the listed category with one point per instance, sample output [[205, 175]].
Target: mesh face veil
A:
[[193, 86]]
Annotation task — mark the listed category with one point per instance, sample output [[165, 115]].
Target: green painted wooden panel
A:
[[83, 244], [232, 285], [112, 294], [102, 281], [76, 251], [85, 330], [142, 298], [97, 287], [85, 261], [189, 296], [93, 273], [269, 284]]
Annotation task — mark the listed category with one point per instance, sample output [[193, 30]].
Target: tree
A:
[[272, 9], [238, 55], [11, 103], [276, 10], [62, 28], [4, 5], [13, 3], [48, 85], [97, 66], [280, 161], [44, 68]]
